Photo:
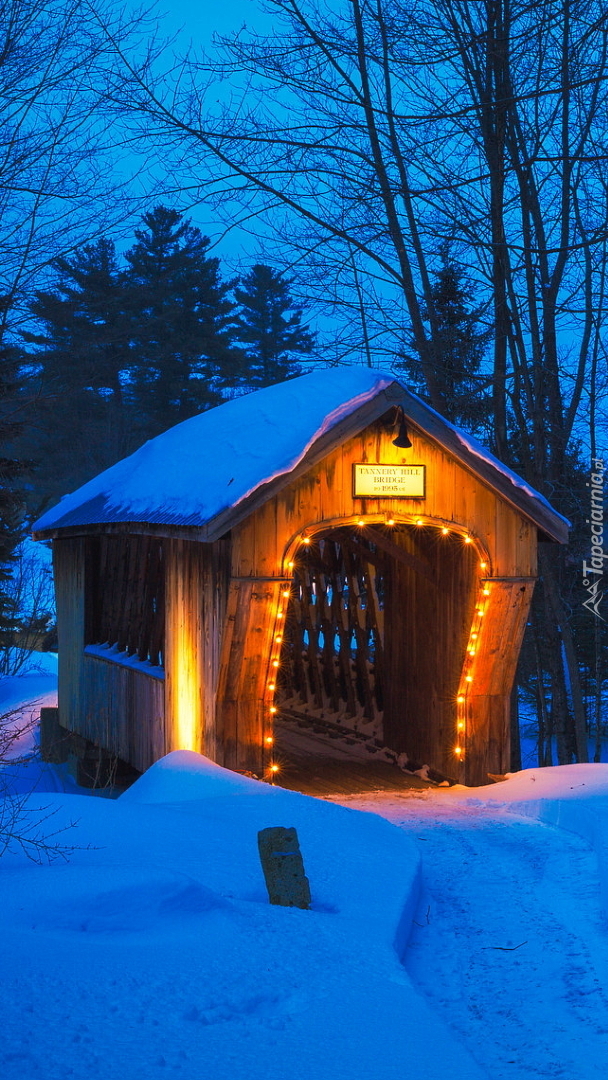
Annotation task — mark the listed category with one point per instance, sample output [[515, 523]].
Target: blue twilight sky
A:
[[198, 20], [194, 22]]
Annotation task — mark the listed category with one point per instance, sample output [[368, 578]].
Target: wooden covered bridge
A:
[[329, 549]]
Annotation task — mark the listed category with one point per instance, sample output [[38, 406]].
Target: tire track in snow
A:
[[492, 882]]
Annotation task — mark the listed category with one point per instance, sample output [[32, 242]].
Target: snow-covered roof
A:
[[196, 472]]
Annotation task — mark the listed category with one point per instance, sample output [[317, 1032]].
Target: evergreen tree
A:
[[125, 352], [458, 350], [86, 339], [181, 321], [269, 326], [84, 422]]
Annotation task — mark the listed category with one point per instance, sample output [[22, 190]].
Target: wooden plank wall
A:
[[184, 637], [69, 572], [123, 711], [118, 708], [488, 702], [196, 590], [248, 649], [244, 696], [214, 594], [425, 648]]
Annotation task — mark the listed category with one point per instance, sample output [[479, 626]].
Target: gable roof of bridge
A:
[[211, 471]]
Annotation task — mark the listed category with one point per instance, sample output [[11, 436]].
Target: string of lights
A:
[[473, 645]]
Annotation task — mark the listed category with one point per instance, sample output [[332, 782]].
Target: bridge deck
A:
[[317, 764]]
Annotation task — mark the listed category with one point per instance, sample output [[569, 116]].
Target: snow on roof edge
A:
[[106, 506], [263, 449], [479, 450], [331, 420]]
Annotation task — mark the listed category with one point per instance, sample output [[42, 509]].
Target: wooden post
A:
[[69, 571], [248, 651], [184, 667], [283, 867], [488, 728], [54, 740]]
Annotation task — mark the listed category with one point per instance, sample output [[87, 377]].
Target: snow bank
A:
[[183, 776], [559, 782], [572, 797], [156, 948]]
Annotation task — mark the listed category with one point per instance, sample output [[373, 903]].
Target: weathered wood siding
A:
[[116, 707], [248, 649], [425, 650], [196, 593], [488, 704], [69, 572], [123, 711]]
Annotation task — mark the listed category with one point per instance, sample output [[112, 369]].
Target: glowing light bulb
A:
[[290, 565], [360, 523], [486, 591], [468, 678], [390, 521], [306, 539], [269, 740], [285, 593], [275, 663], [480, 612], [274, 768], [474, 637], [278, 637], [272, 686], [471, 651], [460, 726], [445, 531], [468, 540], [460, 699], [273, 709], [280, 615], [458, 750], [483, 565], [419, 521]]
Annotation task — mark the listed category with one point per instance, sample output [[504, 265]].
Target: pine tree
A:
[[269, 326], [181, 320], [84, 420], [86, 339], [458, 346]]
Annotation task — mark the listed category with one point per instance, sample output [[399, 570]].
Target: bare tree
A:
[[30, 593], [376, 132], [61, 181], [26, 827]]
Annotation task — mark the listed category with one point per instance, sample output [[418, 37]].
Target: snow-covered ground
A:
[[454, 932], [509, 944], [154, 951]]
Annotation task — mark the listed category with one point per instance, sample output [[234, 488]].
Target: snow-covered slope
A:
[[154, 952], [510, 944]]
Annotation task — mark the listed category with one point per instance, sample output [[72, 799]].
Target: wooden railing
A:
[[125, 598]]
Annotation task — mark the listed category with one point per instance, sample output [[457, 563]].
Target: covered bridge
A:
[[329, 545]]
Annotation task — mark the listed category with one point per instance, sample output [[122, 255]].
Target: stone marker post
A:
[[283, 867]]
